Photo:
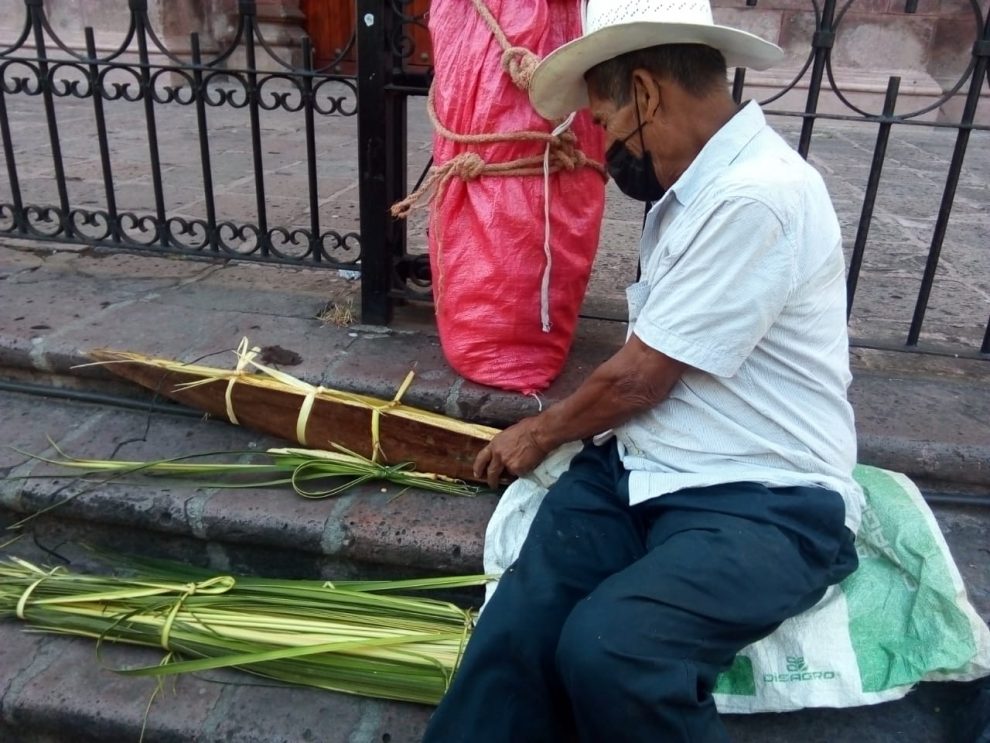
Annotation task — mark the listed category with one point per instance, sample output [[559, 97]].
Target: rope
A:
[[310, 392], [519, 64], [245, 356], [304, 410], [376, 416], [545, 280], [561, 144], [376, 413], [517, 61]]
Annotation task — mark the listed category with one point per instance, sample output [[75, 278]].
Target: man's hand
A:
[[635, 379], [516, 449]]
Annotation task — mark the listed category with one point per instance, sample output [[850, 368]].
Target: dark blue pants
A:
[[615, 620]]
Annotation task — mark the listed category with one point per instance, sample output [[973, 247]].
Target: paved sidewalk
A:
[[904, 218]]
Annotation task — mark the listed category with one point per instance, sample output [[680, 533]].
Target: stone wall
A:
[[172, 21], [928, 49]]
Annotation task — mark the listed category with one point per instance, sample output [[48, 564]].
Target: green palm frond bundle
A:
[[357, 637], [341, 469]]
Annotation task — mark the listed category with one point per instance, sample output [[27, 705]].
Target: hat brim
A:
[[558, 86]]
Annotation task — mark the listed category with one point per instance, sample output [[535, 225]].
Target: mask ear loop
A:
[[639, 128]]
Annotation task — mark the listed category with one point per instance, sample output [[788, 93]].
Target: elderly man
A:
[[713, 498]]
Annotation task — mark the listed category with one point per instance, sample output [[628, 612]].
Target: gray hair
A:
[[698, 69]]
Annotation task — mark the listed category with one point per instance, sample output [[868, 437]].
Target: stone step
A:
[[55, 689], [925, 416], [371, 529]]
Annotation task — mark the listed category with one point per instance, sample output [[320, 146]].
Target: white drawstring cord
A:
[[545, 283]]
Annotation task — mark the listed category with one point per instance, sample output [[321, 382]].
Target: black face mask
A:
[[633, 175]]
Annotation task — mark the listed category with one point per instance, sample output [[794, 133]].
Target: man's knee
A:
[[613, 674], [598, 647], [606, 640], [582, 657]]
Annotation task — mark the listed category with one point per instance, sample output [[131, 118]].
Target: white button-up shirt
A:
[[743, 280]]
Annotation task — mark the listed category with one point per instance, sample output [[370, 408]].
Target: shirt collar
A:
[[717, 153]]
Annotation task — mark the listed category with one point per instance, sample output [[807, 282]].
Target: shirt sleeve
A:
[[712, 301]]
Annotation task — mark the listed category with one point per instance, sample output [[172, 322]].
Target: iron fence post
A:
[[9, 156], [872, 186], [822, 43], [205, 158], [103, 139], [249, 20], [981, 70], [36, 10], [396, 172], [139, 15], [374, 136], [312, 176]]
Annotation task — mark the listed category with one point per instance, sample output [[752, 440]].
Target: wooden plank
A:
[[422, 57]]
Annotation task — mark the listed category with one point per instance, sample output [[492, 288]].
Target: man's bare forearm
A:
[[636, 379]]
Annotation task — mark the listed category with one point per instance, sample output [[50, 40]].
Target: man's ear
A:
[[648, 93]]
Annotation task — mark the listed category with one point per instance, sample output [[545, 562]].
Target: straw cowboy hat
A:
[[614, 27]]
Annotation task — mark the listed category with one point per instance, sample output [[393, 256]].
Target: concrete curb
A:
[[966, 464]]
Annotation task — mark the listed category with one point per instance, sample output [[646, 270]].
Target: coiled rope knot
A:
[[467, 165], [560, 148], [564, 152], [520, 64]]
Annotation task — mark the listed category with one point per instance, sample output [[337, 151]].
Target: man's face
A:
[[626, 157], [618, 123]]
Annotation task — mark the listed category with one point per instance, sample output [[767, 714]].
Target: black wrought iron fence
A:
[[143, 72], [248, 74], [970, 83]]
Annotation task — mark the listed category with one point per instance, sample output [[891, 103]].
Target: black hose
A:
[[99, 398], [948, 499]]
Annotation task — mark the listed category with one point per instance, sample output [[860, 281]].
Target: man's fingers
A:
[[481, 462], [495, 468]]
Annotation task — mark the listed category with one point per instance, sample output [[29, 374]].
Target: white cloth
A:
[[743, 280]]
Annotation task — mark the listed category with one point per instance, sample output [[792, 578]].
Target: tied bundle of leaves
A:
[[357, 637], [341, 469], [269, 400]]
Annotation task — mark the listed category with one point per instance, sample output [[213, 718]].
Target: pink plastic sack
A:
[[487, 234]]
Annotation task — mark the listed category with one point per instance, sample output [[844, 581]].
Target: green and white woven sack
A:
[[901, 618]]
